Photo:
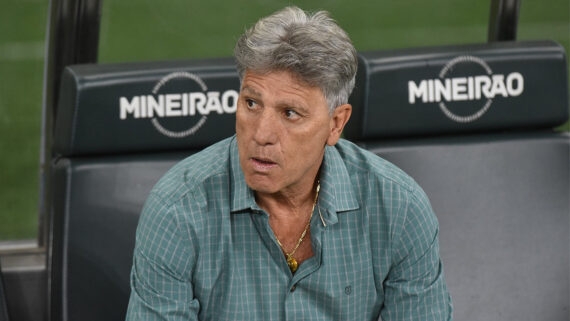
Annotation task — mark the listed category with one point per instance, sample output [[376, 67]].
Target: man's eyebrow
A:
[[297, 105], [286, 103], [251, 91]]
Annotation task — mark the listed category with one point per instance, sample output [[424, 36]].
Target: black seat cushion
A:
[[98, 202], [503, 206], [3, 306]]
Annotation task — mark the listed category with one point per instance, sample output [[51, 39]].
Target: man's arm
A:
[[161, 287], [415, 288]]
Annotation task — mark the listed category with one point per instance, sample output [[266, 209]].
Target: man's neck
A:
[[288, 204]]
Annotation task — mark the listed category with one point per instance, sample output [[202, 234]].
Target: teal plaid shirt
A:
[[205, 250]]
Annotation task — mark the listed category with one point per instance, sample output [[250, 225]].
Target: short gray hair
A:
[[311, 46]]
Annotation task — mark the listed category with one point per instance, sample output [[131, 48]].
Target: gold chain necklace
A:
[[291, 262]]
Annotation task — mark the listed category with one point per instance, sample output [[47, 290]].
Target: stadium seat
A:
[[496, 174], [472, 124], [3, 306], [114, 143]]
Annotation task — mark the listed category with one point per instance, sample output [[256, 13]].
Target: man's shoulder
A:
[[191, 173], [360, 161]]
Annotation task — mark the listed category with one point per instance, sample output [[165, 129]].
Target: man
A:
[[286, 221]]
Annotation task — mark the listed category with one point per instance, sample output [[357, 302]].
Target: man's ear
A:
[[339, 118]]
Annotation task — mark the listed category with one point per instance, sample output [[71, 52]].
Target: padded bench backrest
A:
[[119, 128], [472, 124], [458, 90], [145, 107]]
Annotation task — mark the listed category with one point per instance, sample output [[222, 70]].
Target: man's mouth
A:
[[262, 164]]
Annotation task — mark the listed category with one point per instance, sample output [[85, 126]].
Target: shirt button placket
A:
[[290, 299]]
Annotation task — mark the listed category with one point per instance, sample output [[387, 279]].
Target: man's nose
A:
[[266, 131]]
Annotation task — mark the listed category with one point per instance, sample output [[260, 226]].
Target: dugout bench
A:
[[477, 139]]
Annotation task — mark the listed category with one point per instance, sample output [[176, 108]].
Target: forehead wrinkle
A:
[[295, 95]]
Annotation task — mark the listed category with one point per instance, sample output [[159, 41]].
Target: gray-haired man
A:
[[287, 221]]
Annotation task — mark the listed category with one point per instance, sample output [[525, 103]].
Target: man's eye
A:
[[291, 114], [250, 103]]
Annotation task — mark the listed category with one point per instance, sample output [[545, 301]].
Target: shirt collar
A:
[[336, 193]]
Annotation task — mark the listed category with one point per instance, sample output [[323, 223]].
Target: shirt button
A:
[[293, 288]]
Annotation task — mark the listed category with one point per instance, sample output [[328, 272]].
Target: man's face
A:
[[282, 127]]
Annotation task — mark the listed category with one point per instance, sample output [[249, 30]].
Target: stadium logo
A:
[[160, 107], [480, 88]]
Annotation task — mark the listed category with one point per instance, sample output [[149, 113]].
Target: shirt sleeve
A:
[[161, 287], [415, 288]]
